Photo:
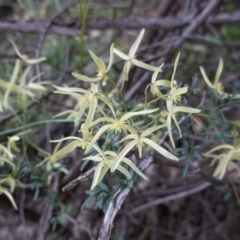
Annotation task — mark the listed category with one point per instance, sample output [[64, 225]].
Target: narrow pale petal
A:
[[96, 175], [107, 102], [137, 170], [180, 91], [99, 62], [132, 114], [152, 129], [101, 153], [97, 136], [155, 74], [135, 45], [143, 65], [169, 128], [103, 119], [37, 87], [160, 149], [129, 137], [6, 160], [69, 148], [23, 78], [84, 78], [111, 58], [66, 138], [84, 105], [221, 147], [102, 174], [156, 92], [222, 166], [10, 197], [121, 54], [163, 83], [25, 57], [15, 71], [123, 153], [218, 73], [70, 89], [129, 128], [124, 171], [206, 78], [126, 70], [92, 108], [177, 109], [176, 123], [34, 61], [93, 158]]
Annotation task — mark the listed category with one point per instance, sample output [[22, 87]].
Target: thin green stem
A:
[[21, 128], [83, 17]]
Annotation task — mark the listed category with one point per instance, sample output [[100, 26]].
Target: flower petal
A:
[[160, 149], [143, 65], [69, 148], [218, 72], [152, 129], [97, 136], [84, 78], [169, 128], [222, 147], [123, 153], [10, 197], [99, 62], [91, 112], [135, 45], [111, 58], [126, 70], [121, 54], [124, 171], [177, 109], [97, 175], [132, 165], [206, 79], [132, 114]]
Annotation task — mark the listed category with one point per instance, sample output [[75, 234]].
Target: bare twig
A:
[[81, 178], [137, 23], [172, 197], [79, 225], [197, 21]]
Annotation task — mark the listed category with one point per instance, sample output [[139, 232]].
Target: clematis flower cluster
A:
[[224, 156], [7, 180], [19, 85], [216, 85], [111, 134], [172, 98]]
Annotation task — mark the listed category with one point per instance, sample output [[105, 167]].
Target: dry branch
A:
[[137, 23]]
